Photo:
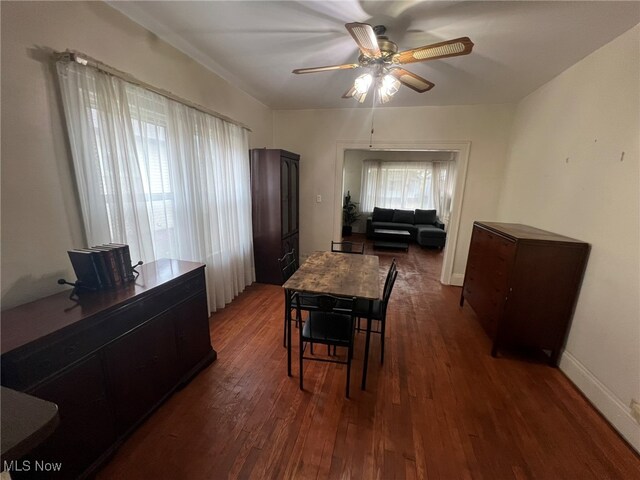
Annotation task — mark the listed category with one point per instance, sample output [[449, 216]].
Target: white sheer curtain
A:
[[408, 185], [444, 174], [369, 185], [167, 179]]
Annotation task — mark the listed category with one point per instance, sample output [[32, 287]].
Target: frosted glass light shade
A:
[[389, 86], [362, 83]]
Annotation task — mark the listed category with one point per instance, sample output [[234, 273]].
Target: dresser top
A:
[[34, 320], [518, 231]]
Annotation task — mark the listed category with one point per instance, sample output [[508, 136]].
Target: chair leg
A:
[[284, 336], [349, 354], [382, 324], [301, 369]]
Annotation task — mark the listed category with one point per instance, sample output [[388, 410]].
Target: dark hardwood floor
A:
[[439, 408]]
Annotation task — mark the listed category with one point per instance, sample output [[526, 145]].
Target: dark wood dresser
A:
[[523, 284], [108, 361], [275, 210]]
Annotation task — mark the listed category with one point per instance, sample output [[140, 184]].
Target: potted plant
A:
[[350, 215]]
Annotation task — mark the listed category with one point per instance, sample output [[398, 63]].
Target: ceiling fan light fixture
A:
[[380, 56], [363, 83], [389, 86]]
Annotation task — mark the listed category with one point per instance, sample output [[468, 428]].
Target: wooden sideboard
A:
[[109, 360], [523, 284]]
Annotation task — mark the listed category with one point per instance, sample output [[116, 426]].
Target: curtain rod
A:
[[82, 59]]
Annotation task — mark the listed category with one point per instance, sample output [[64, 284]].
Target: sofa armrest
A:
[[369, 227], [439, 224]]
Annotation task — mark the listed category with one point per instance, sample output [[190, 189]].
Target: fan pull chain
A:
[[373, 112]]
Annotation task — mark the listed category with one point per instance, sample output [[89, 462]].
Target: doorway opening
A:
[[425, 176]]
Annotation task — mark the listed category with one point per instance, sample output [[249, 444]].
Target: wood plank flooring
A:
[[439, 408]]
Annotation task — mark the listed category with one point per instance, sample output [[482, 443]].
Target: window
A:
[[165, 178], [408, 186]]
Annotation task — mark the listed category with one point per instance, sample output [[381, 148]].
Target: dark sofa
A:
[[424, 225]]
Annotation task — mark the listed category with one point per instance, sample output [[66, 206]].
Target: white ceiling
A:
[[254, 45]]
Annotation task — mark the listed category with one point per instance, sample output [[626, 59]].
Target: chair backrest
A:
[[388, 288], [348, 247], [392, 269], [288, 265], [324, 303]]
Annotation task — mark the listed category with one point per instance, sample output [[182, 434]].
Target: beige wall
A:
[[40, 212], [573, 169], [315, 134]]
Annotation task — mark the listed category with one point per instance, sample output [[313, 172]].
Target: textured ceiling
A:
[[519, 46]]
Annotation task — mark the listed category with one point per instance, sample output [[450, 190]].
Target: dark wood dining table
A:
[[339, 274]]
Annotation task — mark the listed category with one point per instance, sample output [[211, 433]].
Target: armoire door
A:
[[295, 194], [285, 174]]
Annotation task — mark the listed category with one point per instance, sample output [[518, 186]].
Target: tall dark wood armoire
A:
[[275, 199]]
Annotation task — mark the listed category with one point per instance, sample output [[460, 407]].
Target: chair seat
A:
[[323, 327]]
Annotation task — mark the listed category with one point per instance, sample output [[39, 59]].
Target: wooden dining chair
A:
[[330, 322], [348, 247], [378, 312]]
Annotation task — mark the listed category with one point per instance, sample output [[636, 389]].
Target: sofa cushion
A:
[[430, 232], [393, 226], [425, 217], [403, 216], [382, 214]]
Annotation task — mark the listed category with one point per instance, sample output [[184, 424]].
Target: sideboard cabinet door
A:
[[191, 322], [86, 425], [141, 369]]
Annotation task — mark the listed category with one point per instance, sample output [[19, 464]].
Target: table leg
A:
[[366, 347], [288, 315]]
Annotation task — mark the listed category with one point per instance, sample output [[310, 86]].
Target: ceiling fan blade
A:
[[365, 37], [328, 68], [450, 48], [411, 80]]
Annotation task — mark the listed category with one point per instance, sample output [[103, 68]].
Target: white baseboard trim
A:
[[457, 279], [603, 399]]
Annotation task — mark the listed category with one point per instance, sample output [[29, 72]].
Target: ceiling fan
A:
[[381, 58]]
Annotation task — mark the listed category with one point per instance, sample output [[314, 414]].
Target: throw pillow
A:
[[382, 214], [403, 216], [425, 217]]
